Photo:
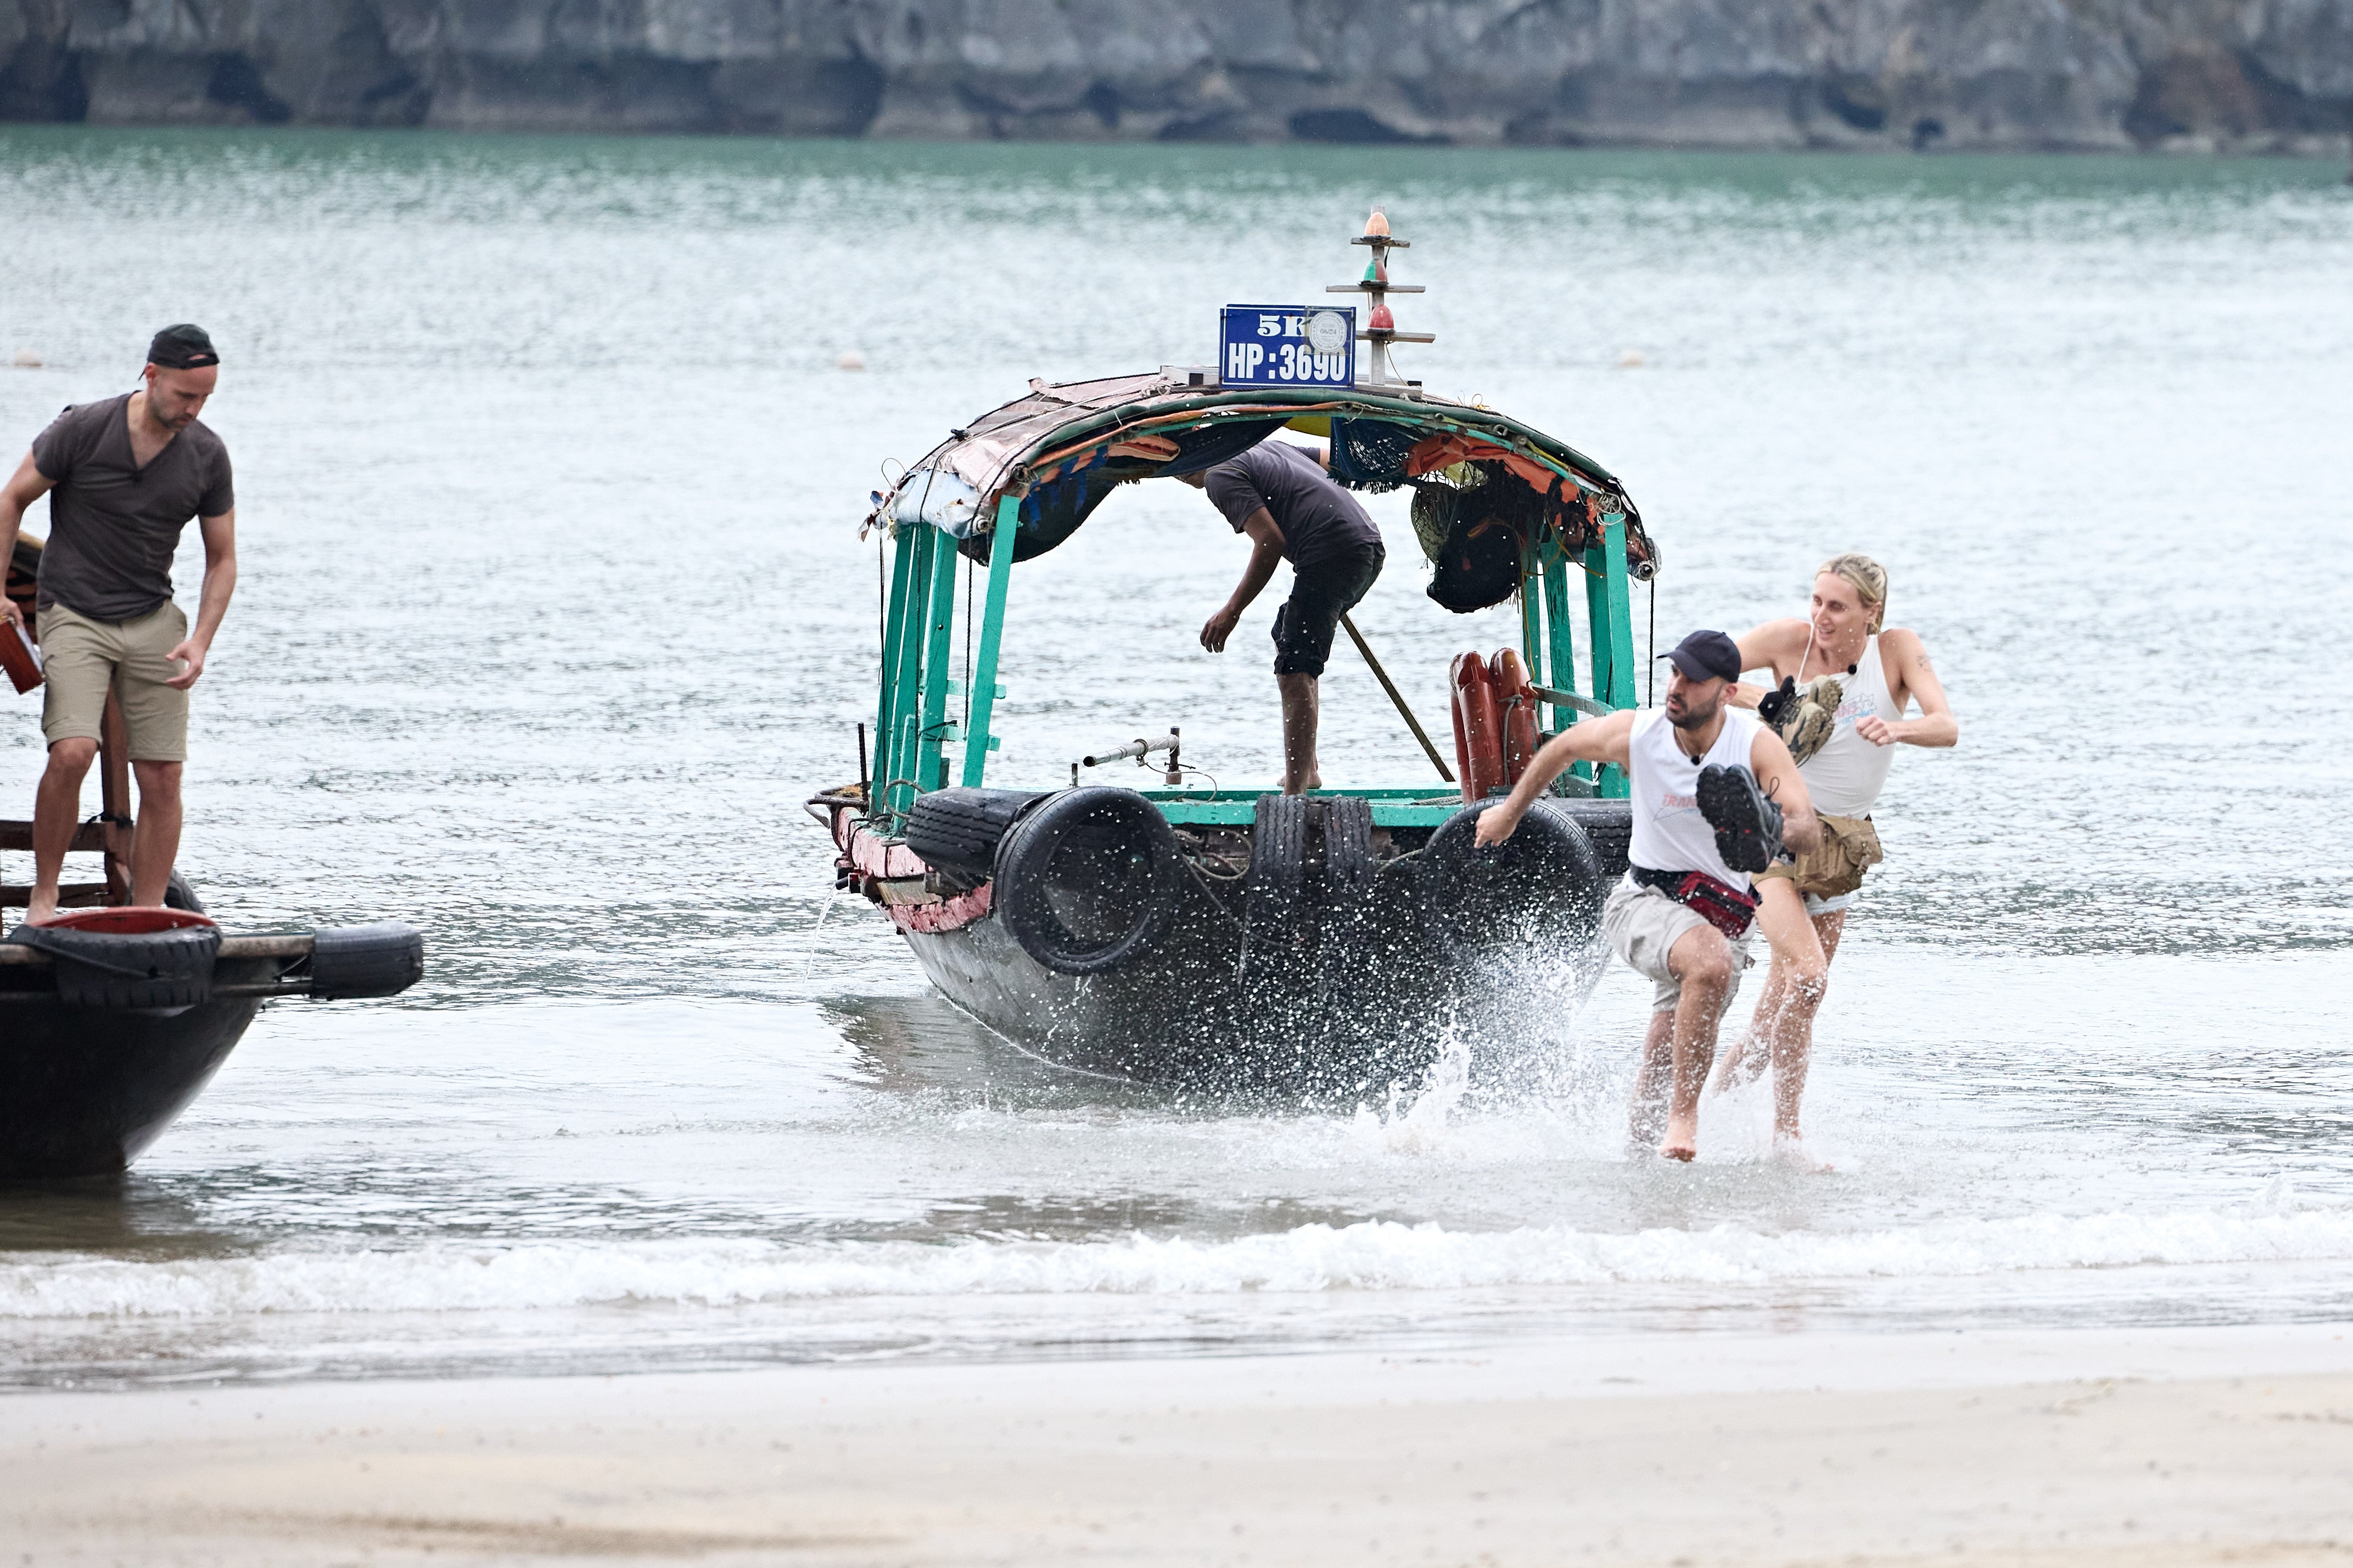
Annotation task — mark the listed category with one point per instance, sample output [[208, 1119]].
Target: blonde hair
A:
[[1869, 580]]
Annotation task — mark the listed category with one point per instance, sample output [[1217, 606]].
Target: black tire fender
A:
[[1348, 863], [1088, 878], [142, 972], [1278, 877], [1542, 886], [383, 959], [957, 831], [1608, 824]]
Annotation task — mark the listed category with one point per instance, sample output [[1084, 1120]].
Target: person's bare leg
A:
[[1646, 1120], [1702, 959], [1787, 1031], [1750, 1056], [1793, 1041], [57, 807], [155, 841], [1300, 773]]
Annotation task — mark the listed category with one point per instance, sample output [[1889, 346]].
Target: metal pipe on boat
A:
[[1139, 748], [1570, 699], [1397, 696]]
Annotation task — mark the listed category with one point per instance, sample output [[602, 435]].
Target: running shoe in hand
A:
[[1747, 825]]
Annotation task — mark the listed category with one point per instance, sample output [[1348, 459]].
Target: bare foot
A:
[[1789, 1148], [1682, 1141], [40, 910]]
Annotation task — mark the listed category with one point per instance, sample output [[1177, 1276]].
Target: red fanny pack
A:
[[1720, 904]]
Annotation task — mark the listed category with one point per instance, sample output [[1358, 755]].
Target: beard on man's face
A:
[[1687, 712]]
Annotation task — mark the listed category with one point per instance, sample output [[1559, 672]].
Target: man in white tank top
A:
[[1681, 916], [1803, 905]]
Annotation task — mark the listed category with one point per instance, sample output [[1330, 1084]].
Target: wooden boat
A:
[[1321, 942], [114, 1019]]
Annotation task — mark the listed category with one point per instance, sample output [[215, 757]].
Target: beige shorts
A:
[[82, 659], [1642, 926]]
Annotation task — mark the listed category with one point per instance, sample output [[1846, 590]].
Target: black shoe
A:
[[1747, 825]]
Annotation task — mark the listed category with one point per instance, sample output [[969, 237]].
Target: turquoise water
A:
[[553, 609]]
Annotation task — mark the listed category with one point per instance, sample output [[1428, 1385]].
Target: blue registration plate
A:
[[1267, 346]]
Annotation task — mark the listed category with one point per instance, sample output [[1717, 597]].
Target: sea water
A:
[[553, 607]]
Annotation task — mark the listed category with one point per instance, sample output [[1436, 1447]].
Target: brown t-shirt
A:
[[112, 527]]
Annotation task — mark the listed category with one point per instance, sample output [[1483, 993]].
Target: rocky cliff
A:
[[2233, 74]]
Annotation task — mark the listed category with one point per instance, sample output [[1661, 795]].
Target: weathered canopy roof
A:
[[1060, 450]]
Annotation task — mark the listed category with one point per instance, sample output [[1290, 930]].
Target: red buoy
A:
[[1516, 702], [1478, 732]]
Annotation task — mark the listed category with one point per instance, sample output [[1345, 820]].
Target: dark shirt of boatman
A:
[[1319, 520], [112, 525]]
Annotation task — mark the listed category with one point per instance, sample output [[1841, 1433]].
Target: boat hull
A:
[[84, 1090], [1197, 1010]]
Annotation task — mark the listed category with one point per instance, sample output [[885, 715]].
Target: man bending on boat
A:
[[123, 478], [1701, 825], [1280, 496]]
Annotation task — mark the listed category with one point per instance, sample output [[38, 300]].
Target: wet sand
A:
[[2143, 1447]]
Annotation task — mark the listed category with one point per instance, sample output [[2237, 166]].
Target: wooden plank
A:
[[1619, 693], [1561, 650], [1427, 812], [114, 799], [278, 944], [981, 736], [1532, 617], [1246, 795], [939, 638], [899, 770], [70, 896], [89, 838], [895, 638]]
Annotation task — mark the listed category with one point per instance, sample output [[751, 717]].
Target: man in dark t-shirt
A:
[[124, 476], [1280, 496]]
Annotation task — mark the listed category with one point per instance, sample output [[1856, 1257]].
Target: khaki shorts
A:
[[1831, 874], [82, 659], [1642, 926]]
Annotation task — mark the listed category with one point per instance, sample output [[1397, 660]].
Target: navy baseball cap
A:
[[1707, 656]]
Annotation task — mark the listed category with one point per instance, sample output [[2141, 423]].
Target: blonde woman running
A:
[[1803, 905]]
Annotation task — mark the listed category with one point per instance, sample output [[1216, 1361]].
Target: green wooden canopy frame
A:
[[914, 734]]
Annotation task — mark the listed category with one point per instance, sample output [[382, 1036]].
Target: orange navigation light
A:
[[1378, 224]]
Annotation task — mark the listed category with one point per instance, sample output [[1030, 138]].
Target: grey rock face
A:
[[1789, 73]]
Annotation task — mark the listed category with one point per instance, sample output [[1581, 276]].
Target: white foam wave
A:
[[1372, 1256]]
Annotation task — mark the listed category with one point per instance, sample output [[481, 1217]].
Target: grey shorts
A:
[[1643, 925]]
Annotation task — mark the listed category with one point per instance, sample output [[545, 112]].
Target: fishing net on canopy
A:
[[1481, 526], [1371, 454]]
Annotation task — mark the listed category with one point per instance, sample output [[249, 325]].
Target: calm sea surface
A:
[[553, 610]]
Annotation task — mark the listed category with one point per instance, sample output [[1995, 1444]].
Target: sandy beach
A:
[[2146, 1448]]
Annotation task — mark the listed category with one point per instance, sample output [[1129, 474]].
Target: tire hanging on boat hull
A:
[[1540, 889], [1089, 879]]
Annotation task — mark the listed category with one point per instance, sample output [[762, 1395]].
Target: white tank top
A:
[[1844, 777], [1669, 834]]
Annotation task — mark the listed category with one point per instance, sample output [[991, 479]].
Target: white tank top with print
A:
[[1669, 834], [1844, 777]]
